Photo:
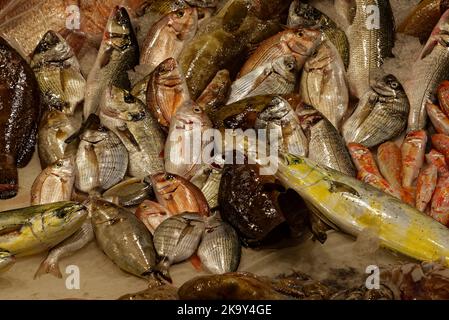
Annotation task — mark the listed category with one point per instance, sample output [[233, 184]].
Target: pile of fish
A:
[[117, 137]]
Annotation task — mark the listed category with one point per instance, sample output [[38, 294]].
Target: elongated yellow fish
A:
[[354, 206]]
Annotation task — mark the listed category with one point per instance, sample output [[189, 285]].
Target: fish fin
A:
[[428, 48], [10, 229], [318, 228], [50, 268], [321, 217], [196, 262], [162, 271], [91, 120], [127, 135], [106, 57], [336, 186]]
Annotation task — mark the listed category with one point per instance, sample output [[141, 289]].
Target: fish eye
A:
[[394, 84], [129, 98], [59, 164], [197, 110], [106, 205], [61, 214], [180, 13], [169, 177], [300, 33]]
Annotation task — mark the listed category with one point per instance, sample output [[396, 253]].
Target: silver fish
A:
[[137, 129], [371, 39], [381, 114], [119, 52], [176, 239], [220, 247], [123, 238], [130, 192], [211, 187], [6, 261], [66, 248]]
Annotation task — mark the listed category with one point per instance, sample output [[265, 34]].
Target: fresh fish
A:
[[140, 89], [275, 77], [101, 160], [439, 209], [216, 93], [123, 238], [178, 195], [176, 239], [152, 214], [371, 40], [439, 120], [300, 43], [212, 186], [304, 15], [413, 150], [427, 182], [55, 128], [66, 248], [429, 70], [35, 229], [167, 37], [325, 143], [6, 261], [130, 192], [389, 159], [379, 183], [441, 143], [119, 52], [167, 92], [438, 160], [184, 155], [19, 117], [220, 247], [58, 73], [126, 116], [55, 183], [381, 114], [324, 84], [354, 207], [443, 96]]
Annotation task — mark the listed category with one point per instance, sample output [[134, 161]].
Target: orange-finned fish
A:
[[439, 120], [439, 209], [363, 159], [390, 163], [438, 160], [379, 183], [427, 181], [413, 150], [441, 143], [443, 96]]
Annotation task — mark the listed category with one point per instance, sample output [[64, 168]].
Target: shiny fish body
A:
[[425, 187], [220, 247], [355, 207], [137, 129], [216, 93], [369, 44], [380, 116], [58, 73], [6, 261], [211, 187], [324, 84], [152, 214], [55, 183], [130, 192], [413, 151], [123, 238]]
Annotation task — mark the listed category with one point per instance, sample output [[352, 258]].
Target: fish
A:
[[58, 73], [130, 192], [176, 239], [32, 230], [371, 38], [184, 154], [441, 143], [157, 290], [443, 96], [216, 93], [212, 186], [299, 42], [167, 91], [438, 118], [278, 76], [55, 183], [353, 207], [139, 90], [439, 206], [324, 84], [66, 248], [101, 160], [427, 182], [439, 161], [428, 71], [389, 159], [381, 114], [379, 183], [19, 117], [54, 130], [166, 38], [140, 133], [123, 238], [421, 20], [220, 248], [118, 53], [304, 15], [178, 195], [6, 261], [326, 146], [413, 152], [152, 214]]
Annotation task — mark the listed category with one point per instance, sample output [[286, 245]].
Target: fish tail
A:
[[50, 268], [8, 177], [162, 272]]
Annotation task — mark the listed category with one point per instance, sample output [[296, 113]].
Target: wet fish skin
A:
[[6, 261], [324, 84], [389, 159], [440, 201], [167, 91], [427, 182], [441, 143], [66, 248], [176, 239], [439, 161], [443, 96], [19, 117], [152, 214], [130, 192], [369, 44], [439, 120], [354, 206], [413, 150], [55, 183], [220, 247], [58, 73], [119, 52], [123, 238], [212, 186], [139, 132], [381, 114], [216, 93]]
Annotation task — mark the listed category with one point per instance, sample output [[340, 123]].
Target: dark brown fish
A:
[[19, 117]]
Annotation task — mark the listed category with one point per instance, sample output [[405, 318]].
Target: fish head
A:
[[286, 66], [321, 58], [388, 86], [191, 116], [165, 183], [101, 210], [303, 14], [55, 119], [119, 30], [184, 22], [66, 216], [64, 167], [302, 41], [121, 104], [52, 49], [275, 111]]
